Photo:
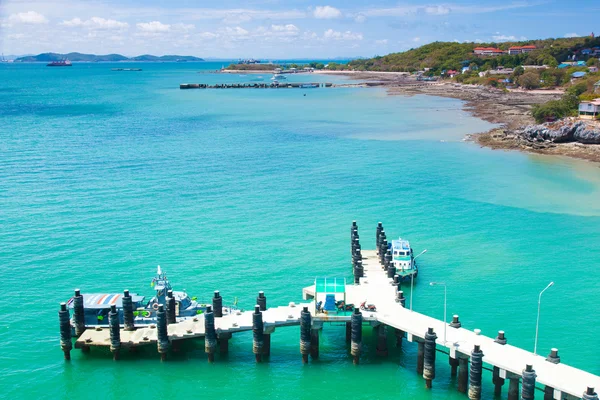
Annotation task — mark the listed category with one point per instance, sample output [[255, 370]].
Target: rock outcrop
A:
[[564, 131]]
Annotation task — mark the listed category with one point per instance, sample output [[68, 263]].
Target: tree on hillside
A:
[[529, 80]]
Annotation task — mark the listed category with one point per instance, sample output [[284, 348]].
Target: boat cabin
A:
[[402, 255]]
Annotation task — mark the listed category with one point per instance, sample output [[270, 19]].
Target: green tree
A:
[[529, 80]]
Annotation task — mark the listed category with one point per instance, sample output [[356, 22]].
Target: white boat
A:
[[403, 259], [278, 77]]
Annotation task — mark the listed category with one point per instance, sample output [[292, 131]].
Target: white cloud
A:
[[16, 36], [96, 23], [360, 18], [381, 42], [289, 28], [336, 35], [326, 12], [153, 27], [29, 17], [506, 38], [571, 35], [437, 10], [183, 27], [208, 35], [416, 39]]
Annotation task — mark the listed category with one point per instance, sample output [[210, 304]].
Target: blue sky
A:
[[277, 28]]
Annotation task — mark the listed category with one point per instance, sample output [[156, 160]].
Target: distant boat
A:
[[126, 69], [277, 77], [61, 63]]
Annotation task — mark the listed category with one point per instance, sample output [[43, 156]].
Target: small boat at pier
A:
[[404, 260], [97, 305]]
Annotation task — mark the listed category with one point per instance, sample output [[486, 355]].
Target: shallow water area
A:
[[106, 174]]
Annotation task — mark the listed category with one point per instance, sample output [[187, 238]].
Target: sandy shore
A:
[[511, 110]]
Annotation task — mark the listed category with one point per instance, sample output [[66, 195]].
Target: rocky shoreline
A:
[[511, 110]]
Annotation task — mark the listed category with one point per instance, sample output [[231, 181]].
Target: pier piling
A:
[[420, 356], [128, 311], [224, 342], [162, 332], [391, 272], [382, 349], [475, 373], [305, 334], [115, 332], [429, 357], [210, 334], [528, 385], [401, 299], [463, 374], [217, 304], [78, 313], [453, 366], [548, 393], [65, 331], [513, 386], [170, 308], [356, 335], [348, 332], [314, 343], [266, 345], [497, 381], [553, 357], [261, 300], [399, 335], [590, 394], [257, 333]]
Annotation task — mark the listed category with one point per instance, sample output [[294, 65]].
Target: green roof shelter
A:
[[330, 294]]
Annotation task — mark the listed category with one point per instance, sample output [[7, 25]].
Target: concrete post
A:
[[382, 349], [455, 322], [65, 331], [356, 335], [475, 373], [128, 311], [399, 335], [217, 304], [513, 387], [590, 394], [261, 300], [314, 343], [257, 333], [429, 357], [170, 300], [305, 334], [497, 381], [528, 385], [224, 342], [420, 356], [115, 332], [162, 332], [78, 313], [267, 345], [463, 374], [453, 366], [348, 332], [210, 334]]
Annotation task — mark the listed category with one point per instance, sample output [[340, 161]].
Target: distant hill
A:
[[440, 56], [79, 57]]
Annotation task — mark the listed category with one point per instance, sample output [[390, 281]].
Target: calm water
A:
[[104, 175]]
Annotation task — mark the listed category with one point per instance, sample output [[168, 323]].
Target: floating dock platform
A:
[[375, 279]]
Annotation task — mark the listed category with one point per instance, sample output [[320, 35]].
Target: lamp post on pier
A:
[[445, 303], [412, 278], [537, 323]]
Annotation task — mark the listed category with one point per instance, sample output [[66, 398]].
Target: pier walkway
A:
[[468, 350]]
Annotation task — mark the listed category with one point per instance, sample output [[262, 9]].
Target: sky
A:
[[279, 29]]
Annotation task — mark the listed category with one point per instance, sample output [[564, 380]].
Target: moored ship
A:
[[404, 260], [61, 63]]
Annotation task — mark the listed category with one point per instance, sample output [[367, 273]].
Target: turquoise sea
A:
[[104, 175]]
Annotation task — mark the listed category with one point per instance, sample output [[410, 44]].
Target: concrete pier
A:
[[265, 85], [462, 344]]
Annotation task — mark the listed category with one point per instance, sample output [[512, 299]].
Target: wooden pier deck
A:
[[374, 285]]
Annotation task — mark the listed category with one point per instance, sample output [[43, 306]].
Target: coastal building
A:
[[589, 109], [488, 51], [593, 69], [578, 74], [514, 50]]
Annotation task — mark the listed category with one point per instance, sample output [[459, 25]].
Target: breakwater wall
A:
[[280, 85]]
